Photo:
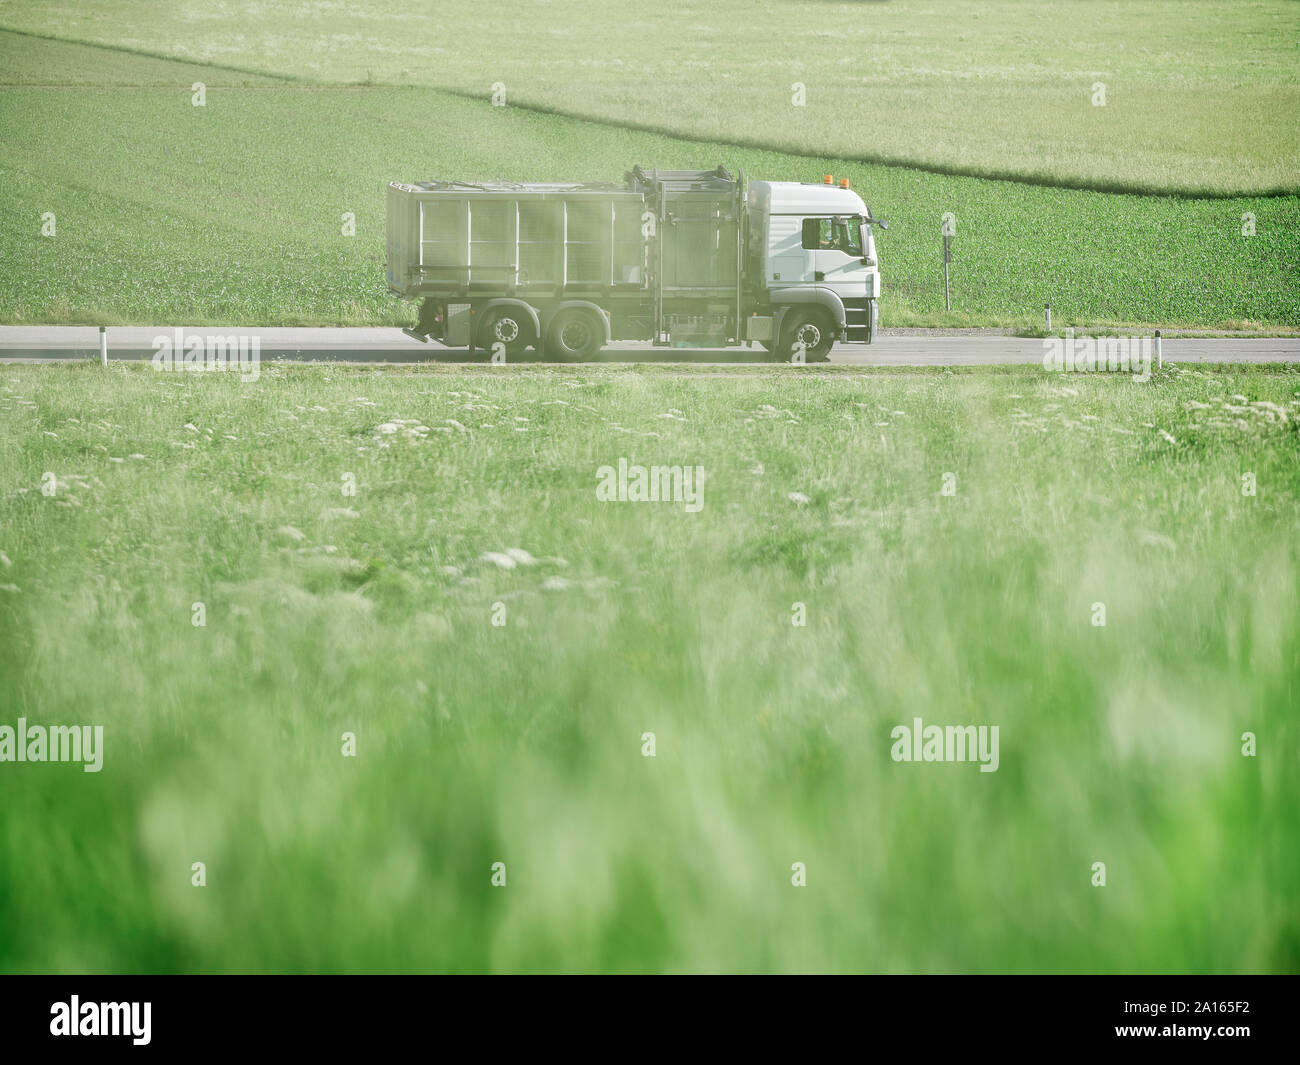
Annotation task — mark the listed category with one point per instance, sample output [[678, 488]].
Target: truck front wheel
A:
[[809, 331], [506, 326], [574, 336]]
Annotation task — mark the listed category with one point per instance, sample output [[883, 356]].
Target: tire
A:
[[813, 328], [505, 325], [574, 336]]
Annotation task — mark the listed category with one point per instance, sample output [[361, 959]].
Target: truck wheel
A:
[[812, 329], [574, 336], [508, 326]]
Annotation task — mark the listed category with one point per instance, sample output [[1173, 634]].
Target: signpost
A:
[[947, 258], [948, 227]]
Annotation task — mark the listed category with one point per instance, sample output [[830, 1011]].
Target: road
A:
[[51, 343]]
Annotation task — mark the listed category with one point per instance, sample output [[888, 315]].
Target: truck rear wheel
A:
[[812, 329], [574, 336], [508, 326]]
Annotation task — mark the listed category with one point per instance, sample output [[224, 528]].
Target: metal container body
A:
[[535, 242]]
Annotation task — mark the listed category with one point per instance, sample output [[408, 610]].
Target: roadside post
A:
[[947, 258], [103, 347], [1160, 362], [1047, 312]]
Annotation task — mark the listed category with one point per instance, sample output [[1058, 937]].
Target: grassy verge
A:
[[522, 743]]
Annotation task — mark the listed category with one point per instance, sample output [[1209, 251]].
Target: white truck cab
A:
[[812, 245]]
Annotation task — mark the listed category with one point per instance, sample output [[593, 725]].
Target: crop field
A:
[[182, 561], [1200, 95], [165, 212]]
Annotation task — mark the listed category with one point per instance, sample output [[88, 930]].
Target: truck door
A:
[[837, 246]]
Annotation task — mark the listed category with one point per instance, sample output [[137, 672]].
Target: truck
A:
[[681, 258]]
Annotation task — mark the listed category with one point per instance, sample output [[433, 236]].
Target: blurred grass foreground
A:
[[385, 686]]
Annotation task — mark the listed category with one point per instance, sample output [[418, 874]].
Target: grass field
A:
[[1201, 95], [521, 743], [168, 213]]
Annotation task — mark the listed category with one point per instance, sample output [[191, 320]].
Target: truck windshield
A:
[[834, 234]]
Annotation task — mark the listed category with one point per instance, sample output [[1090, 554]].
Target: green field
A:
[[522, 743], [231, 213], [1201, 95]]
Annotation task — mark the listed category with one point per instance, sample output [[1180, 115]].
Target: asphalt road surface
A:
[[51, 343]]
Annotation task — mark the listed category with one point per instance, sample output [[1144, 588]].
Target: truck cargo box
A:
[[458, 239]]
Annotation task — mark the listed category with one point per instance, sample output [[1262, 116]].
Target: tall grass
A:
[[522, 743]]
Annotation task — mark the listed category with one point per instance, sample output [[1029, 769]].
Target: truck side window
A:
[[833, 234]]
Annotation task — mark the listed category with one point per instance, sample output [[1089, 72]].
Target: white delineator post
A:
[[1047, 313], [1160, 362], [103, 347], [947, 258]]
